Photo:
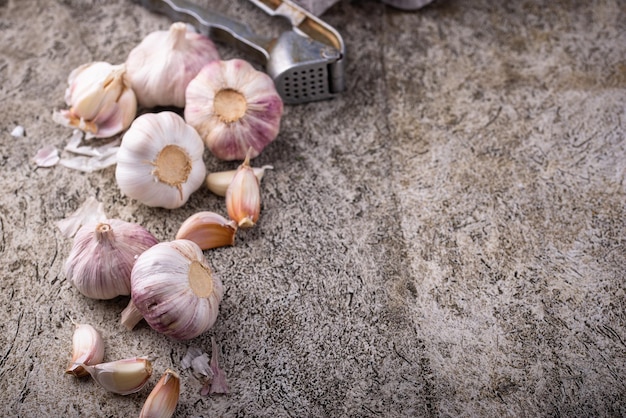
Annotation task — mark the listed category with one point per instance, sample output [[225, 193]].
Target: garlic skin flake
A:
[[161, 403], [87, 348], [102, 257], [234, 107], [122, 376], [208, 230], [218, 181], [100, 98], [243, 196], [175, 290], [160, 161], [163, 64]]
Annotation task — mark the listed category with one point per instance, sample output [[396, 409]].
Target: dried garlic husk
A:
[[243, 196], [175, 290], [208, 230], [102, 257], [217, 182], [161, 402], [163, 64], [87, 348], [160, 161], [234, 108], [122, 376], [100, 98]]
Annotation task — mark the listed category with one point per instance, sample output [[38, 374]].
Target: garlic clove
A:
[[234, 107], [218, 181], [100, 98], [160, 160], [161, 403], [175, 289], [163, 64], [208, 230], [87, 348], [243, 196], [102, 257], [122, 376]]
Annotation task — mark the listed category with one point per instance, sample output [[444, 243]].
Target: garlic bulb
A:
[[102, 257], [243, 196], [100, 98], [122, 376], [162, 65], [175, 290], [218, 182], [208, 230], [161, 402], [87, 348], [160, 161], [234, 107]]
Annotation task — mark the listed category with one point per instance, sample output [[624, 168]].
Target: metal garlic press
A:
[[306, 62]]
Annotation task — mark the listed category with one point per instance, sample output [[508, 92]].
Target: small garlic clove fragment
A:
[[218, 181], [122, 376], [87, 348], [161, 403], [208, 230], [243, 196]]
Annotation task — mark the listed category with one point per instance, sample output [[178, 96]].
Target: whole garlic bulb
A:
[[175, 290], [162, 65], [100, 98], [160, 160], [234, 107], [102, 257]]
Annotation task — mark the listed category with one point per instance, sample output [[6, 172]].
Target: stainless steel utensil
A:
[[306, 63]]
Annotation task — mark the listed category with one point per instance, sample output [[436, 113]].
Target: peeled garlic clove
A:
[[218, 181], [100, 99], [102, 257], [161, 403], [208, 230], [87, 348], [122, 376], [243, 196], [175, 290], [160, 161], [163, 64], [233, 107]]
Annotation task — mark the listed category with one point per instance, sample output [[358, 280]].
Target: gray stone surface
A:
[[447, 238]]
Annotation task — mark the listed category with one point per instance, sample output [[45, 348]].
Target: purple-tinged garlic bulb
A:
[[101, 102], [163, 64], [234, 108], [175, 290], [102, 257]]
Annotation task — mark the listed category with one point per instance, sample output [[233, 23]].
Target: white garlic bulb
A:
[[234, 107], [160, 160], [100, 98], [102, 257], [175, 290], [87, 348], [162, 65]]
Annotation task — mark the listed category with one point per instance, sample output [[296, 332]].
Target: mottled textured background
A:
[[446, 238]]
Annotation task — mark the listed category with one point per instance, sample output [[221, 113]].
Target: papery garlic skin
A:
[[102, 257], [175, 289], [160, 161], [234, 107], [163, 64], [100, 98], [87, 348], [122, 376], [218, 181], [161, 403], [208, 230], [243, 196]]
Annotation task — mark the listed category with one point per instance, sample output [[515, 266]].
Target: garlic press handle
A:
[[213, 25]]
